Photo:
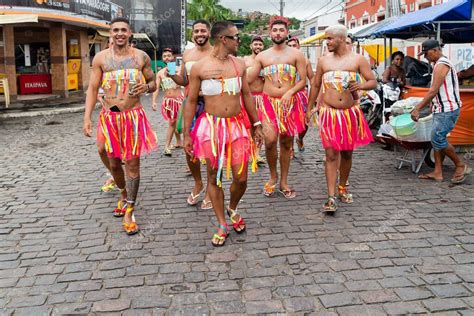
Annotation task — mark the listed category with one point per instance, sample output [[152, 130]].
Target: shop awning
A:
[[18, 18], [456, 10], [313, 38], [370, 29], [103, 33], [144, 37]]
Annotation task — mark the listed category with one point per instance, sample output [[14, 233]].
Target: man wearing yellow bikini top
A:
[[282, 114], [342, 125], [256, 87], [220, 134], [172, 100], [302, 94], [201, 31], [124, 73]]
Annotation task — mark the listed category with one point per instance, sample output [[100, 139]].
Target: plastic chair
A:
[[6, 90]]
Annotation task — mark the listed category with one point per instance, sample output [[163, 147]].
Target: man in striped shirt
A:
[[445, 104]]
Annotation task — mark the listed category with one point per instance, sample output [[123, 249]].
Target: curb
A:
[[75, 109]]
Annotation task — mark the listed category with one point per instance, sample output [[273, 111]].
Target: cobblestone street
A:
[[405, 246]]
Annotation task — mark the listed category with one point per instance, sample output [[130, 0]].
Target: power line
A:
[[320, 8], [327, 11]]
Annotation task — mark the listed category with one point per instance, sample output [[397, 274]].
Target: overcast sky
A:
[[300, 9]]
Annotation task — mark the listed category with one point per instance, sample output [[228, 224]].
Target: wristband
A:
[[257, 124]]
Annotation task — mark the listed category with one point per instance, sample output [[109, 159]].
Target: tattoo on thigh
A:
[[132, 185]]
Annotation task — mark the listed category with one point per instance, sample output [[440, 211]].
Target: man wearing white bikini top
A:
[[124, 73], [342, 126], [220, 134], [282, 114], [201, 30], [172, 100], [256, 87]]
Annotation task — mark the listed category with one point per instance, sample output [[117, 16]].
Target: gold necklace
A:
[[220, 58]]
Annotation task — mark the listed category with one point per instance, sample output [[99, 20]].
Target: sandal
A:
[[109, 185], [130, 228], [121, 208], [269, 190], [222, 237], [193, 199], [288, 193], [300, 144], [343, 195], [167, 152], [260, 160], [460, 179], [236, 223], [330, 207], [206, 205], [292, 154]]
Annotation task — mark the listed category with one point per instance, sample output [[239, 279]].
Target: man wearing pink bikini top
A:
[[124, 73], [282, 114], [220, 134], [342, 126]]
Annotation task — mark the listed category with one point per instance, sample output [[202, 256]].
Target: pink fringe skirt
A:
[[126, 135], [343, 129], [170, 108], [288, 121], [223, 141], [302, 97]]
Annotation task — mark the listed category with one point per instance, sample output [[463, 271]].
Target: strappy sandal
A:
[[167, 152], [194, 199], [222, 237], [288, 193], [130, 228], [269, 190], [330, 207], [236, 224], [109, 185], [300, 144], [260, 160], [121, 208], [344, 195], [206, 205]]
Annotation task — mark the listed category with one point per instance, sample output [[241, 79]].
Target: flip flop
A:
[[459, 180], [428, 177], [269, 190], [288, 194], [206, 205], [193, 199]]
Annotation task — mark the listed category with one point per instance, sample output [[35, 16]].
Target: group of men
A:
[[230, 107]]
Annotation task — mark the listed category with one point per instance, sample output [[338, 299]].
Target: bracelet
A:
[[147, 88], [257, 124]]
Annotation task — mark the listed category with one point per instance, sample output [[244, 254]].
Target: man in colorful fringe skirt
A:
[[124, 73], [342, 126], [221, 133], [282, 113]]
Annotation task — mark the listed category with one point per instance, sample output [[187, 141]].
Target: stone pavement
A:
[[404, 247]]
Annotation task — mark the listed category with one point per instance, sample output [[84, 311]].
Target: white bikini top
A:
[[231, 86]]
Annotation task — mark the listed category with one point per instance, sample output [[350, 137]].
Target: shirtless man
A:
[[172, 101], [302, 94], [201, 30], [342, 125], [257, 46], [120, 71], [220, 135], [282, 113]]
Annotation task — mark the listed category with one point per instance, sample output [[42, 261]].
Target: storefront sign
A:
[[95, 8], [34, 83]]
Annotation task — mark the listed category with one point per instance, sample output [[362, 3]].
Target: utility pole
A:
[[282, 5]]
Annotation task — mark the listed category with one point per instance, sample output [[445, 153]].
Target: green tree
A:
[[210, 10]]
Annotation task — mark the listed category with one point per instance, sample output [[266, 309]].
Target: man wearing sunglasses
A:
[[445, 102]]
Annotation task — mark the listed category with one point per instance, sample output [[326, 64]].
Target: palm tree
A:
[[210, 10]]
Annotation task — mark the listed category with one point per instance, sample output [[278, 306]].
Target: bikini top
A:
[[168, 83], [188, 66], [280, 72], [339, 80], [121, 78], [231, 86]]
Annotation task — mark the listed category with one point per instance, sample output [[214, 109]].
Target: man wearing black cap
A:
[[445, 103]]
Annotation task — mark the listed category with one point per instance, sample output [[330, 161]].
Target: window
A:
[[312, 31], [412, 7]]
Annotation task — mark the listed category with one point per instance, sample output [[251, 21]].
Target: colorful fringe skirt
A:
[[288, 121], [126, 135], [223, 141], [170, 108], [258, 99], [302, 97], [343, 129]]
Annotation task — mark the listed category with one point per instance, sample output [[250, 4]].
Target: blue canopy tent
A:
[[450, 21]]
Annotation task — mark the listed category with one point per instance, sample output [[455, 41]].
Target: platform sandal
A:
[[220, 237], [236, 224], [344, 195], [330, 207], [130, 228]]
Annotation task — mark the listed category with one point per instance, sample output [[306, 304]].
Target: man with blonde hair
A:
[[342, 126]]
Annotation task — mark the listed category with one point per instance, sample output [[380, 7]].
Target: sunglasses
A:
[[235, 37]]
